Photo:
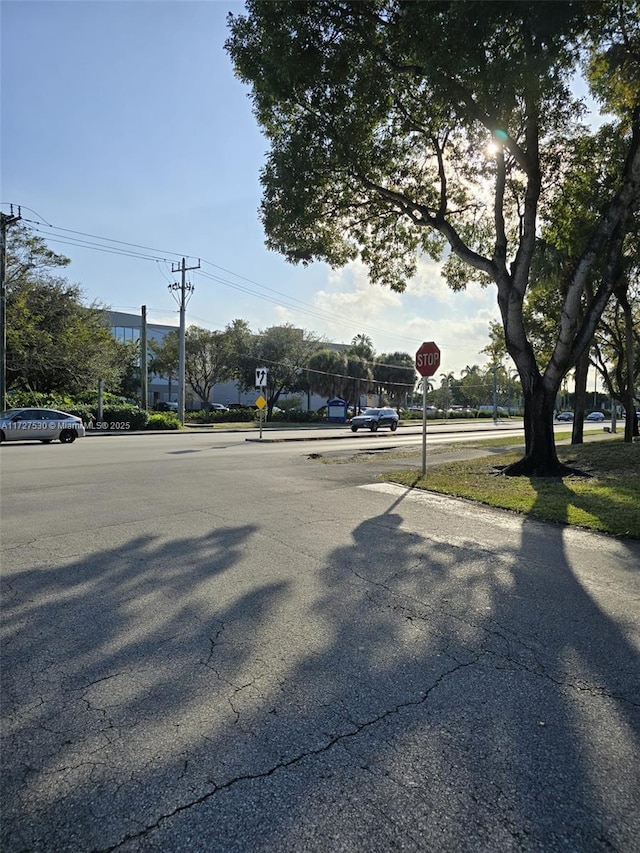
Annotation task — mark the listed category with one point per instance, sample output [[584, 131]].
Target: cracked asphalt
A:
[[212, 645]]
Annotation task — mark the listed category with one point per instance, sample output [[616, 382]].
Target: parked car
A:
[[218, 407], [564, 416], [166, 406], [594, 416], [43, 425], [374, 418]]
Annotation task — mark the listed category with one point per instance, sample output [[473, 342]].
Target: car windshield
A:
[[371, 411], [9, 413]]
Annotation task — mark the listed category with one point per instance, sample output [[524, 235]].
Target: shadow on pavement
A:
[[409, 694]]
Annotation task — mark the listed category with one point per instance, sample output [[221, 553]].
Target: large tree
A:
[[55, 341], [327, 373], [285, 352], [207, 361], [395, 373], [379, 114], [165, 357]]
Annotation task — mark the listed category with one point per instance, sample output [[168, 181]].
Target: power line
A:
[[290, 301]]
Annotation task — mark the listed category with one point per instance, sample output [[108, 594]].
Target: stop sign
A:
[[428, 358]]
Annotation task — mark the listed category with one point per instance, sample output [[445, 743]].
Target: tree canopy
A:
[[55, 342], [379, 115]]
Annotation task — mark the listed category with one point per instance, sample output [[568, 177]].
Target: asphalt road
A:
[[210, 644]]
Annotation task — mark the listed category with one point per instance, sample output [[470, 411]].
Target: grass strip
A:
[[607, 500]]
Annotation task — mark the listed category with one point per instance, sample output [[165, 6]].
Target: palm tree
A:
[[362, 339], [327, 373], [362, 346], [447, 379]]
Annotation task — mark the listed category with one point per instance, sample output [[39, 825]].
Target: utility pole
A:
[[5, 221], [494, 370], [184, 288], [144, 367]]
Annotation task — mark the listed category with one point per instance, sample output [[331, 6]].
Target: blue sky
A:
[[124, 120]]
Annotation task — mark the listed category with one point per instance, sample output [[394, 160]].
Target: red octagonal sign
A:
[[428, 358]]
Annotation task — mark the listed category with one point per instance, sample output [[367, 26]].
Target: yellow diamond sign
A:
[[261, 402]]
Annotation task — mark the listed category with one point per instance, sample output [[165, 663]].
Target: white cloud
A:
[[428, 281]]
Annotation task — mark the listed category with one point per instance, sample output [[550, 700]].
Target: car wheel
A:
[[374, 426], [67, 436], [354, 429], [394, 426], [46, 440], [2, 436]]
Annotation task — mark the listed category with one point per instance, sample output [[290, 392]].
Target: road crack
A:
[[358, 728]]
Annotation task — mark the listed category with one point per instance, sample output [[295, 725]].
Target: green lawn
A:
[[607, 500]]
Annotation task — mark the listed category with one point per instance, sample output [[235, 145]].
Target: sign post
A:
[[427, 362], [261, 383]]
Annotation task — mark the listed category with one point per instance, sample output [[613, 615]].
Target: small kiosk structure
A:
[[337, 411]]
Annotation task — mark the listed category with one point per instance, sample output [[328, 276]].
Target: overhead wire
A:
[[283, 300], [290, 301]]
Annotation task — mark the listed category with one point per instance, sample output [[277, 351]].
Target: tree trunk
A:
[[580, 397], [541, 459], [630, 415], [631, 422]]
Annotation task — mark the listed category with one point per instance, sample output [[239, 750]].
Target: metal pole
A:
[[4, 222], [144, 368], [100, 400], [3, 313], [182, 352], [424, 425], [183, 287]]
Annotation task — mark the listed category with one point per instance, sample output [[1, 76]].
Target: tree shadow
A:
[[418, 690]]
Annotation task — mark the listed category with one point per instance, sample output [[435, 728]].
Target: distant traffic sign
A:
[[427, 358], [261, 377]]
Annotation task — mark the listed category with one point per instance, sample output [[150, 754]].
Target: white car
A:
[[43, 425]]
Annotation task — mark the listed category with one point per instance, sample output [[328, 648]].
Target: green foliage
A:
[[125, 413], [55, 343], [327, 373], [165, 356], [364, 103], [163, 420], [607, 500], [233, 416], [297, 416], [378, 116], [114, 409], [72, 405], [285, 351], [395, 374], [207, 360]]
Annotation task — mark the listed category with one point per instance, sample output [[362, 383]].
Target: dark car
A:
[[374, 418], [564, 416], [166, 406]]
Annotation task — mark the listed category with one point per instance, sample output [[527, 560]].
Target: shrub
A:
[[124, 413], [233, 416], [71, 405], [297, 416], [163, 420]]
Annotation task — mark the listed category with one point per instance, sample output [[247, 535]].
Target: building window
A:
[[125, 333]]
